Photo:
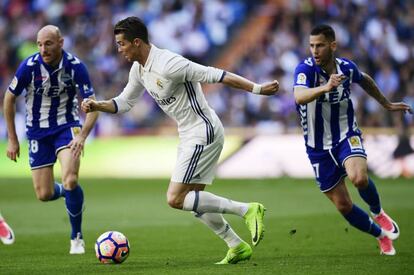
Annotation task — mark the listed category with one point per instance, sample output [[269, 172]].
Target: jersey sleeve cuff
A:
[[222, 76], [13, 92], [116, 106]]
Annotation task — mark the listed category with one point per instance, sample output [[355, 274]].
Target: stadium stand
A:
[[261, 40]]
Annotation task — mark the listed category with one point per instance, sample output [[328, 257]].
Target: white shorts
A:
[[197, 163]]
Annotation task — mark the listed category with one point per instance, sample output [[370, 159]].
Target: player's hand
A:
[[334, 81], [13, 149], [270, 88], [88, 105], [76, 145], [399, 106]]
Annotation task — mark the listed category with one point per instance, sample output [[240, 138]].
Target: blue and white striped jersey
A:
[[328, 120], [51, 93]]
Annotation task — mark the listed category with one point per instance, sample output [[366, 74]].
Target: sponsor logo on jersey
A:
[[76, 131], [87, 89], [301, 79], [355, 143], [13, 84], [166, 101], [40, 78]]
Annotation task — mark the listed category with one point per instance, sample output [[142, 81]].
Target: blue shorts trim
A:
[[42, 166], [352, 156], [60, 149], [333, 186]]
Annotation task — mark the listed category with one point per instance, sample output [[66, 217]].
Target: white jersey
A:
[[174, 83]]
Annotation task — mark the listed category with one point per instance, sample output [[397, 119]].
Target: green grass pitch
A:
[[304, 233]]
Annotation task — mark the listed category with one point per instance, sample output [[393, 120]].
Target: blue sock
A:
[[74, 205], [359, 219], [371, 197], [59, 191]]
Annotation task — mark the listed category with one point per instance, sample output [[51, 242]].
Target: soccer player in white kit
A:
[[174, 83]]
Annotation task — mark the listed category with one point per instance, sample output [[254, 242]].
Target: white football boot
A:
[[77, 245]]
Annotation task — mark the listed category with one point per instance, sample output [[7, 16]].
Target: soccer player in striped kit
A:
[[51, 79], [174, 83], [333, 139]]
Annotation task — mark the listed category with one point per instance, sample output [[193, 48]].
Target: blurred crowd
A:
[[377, 35]]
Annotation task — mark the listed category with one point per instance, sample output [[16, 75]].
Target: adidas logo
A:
[[196, 177]]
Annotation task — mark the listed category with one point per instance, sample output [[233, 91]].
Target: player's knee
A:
[[70, 181], [344, 206], [174, 201], [43, 194], [360, 180]]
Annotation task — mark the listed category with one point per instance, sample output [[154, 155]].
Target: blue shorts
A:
[[43, 152], [328, 165]]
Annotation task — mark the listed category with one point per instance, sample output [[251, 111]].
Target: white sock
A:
[[220, 226], [383, 234], [205, 202]]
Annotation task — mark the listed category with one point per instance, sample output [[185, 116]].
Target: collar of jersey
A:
[[320, 71], [62, 63], [151, 57]]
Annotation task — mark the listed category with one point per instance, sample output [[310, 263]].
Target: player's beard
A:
[[325, 62]]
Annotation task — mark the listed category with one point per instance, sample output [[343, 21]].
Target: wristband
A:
[[256, 89]]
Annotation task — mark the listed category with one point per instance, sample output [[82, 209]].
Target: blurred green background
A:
[[122, 157]]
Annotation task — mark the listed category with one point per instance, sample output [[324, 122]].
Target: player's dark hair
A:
[[132, 27], [326, 30]]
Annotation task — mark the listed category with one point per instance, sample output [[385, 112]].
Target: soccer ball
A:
[[112, 247]]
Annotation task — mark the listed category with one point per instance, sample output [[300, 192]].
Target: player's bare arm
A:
[[239, 82], [305, 95], [78, 143], [371, 88], [9, 106], [91, 105]]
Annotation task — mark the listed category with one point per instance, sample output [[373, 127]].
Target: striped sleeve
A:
[[303, 76], [356, 74], [21, 79], [82, 80]]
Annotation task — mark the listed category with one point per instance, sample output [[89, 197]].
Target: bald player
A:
[[50, 80]]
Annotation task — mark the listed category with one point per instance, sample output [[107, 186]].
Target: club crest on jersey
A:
[[301, 79], [159, 84]]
